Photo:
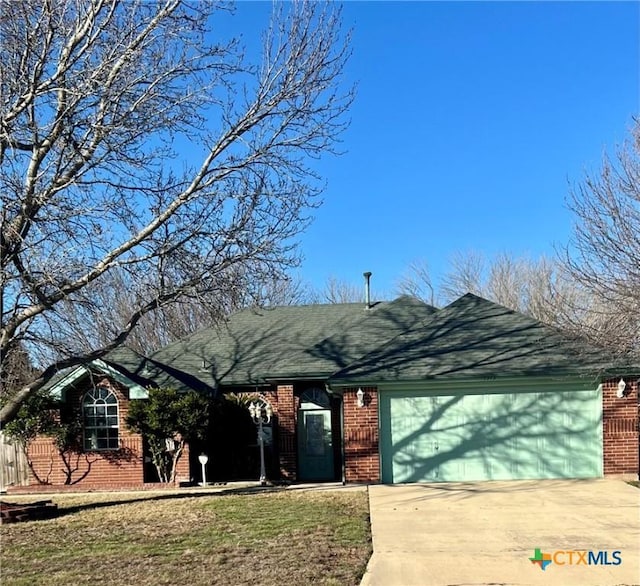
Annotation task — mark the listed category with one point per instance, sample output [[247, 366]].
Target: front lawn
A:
[[282, 537]]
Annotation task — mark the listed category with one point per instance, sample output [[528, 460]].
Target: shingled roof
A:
[[132, 369], [147, 371], [346, 344], [471, 338], [255, 346]]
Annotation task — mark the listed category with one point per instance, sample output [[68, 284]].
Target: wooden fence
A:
[[13, 464]]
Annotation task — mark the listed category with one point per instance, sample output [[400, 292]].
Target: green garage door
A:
[[490, 434]]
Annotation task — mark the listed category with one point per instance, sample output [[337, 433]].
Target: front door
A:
[[315, 444]]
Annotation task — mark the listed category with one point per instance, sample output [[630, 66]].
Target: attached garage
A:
[[491, 431]]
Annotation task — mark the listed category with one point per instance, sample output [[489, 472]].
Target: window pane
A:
[[100, 410], [91, 441]]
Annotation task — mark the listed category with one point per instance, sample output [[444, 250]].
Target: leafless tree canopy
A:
[[336, 290], [172, 321], [416, 281], [535, 287], [132, 143], [604, 254]]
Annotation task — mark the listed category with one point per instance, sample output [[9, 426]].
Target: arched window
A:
[[100, 416]]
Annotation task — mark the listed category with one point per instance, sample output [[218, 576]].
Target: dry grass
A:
[[281, 537]]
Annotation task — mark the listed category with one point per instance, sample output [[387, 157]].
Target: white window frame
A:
[[101, 420]]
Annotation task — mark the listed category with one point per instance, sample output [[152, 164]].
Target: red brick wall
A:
[[361, 455], [285, 407], [183, 470], [97, 469], [620, 428], [91, 469], [103, 469]]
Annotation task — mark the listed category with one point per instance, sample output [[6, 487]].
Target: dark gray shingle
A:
[[307, 341], [473, 337]]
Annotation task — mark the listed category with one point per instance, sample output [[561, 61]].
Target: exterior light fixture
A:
[[261, 415], [360, 398], [203, 458], [621, 387]]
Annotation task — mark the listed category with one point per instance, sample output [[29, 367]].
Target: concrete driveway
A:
[[484, 533]]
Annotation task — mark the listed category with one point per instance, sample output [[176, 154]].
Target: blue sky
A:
[[470, 124]]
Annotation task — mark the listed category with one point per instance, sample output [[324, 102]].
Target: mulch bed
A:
[[16, 512]]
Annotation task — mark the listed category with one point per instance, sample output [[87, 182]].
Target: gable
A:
[[473, 337], [59, 388]]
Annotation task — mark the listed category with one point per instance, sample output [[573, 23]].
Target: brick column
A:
[[620, 429], [183, 468], [361, 452], [286, 411]]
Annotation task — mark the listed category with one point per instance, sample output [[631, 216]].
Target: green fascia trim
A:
[[265, 381], [307, 376], [136, 391], [66, 381], [478, 384], [629, 371]]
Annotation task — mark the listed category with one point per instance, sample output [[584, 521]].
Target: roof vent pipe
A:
[[367, 289]]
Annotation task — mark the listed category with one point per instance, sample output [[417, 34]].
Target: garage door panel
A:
[[490, 436]]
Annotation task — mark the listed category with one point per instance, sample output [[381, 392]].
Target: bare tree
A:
[[466, 275], [290, 290], [336, 290], [86, 328], [540, 288], [169, 322], [416, 281], [130, 141], [604, 253]]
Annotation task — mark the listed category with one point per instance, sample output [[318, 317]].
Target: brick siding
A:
[[361, 455], [620, 429], [124, 468], [99, 469], [285, 408]]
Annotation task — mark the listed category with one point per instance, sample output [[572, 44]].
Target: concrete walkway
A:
[[467, 534]]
